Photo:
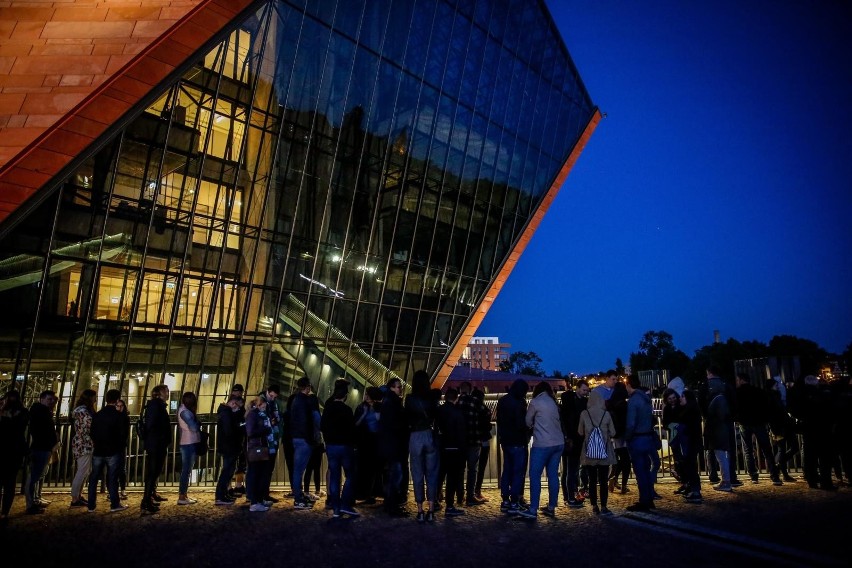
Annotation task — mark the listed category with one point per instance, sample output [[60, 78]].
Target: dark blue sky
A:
[[715, 195]]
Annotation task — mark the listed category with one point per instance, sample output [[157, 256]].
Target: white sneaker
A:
[[119, 509], [258, 508], [187, 501]]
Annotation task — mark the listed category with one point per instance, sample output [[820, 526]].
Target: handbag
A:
[[202, 446], [260, 453]]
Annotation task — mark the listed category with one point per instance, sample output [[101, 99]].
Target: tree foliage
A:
[[523, 363], [657, 351]]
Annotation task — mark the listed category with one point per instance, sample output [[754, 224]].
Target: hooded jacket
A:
[[512, 429]]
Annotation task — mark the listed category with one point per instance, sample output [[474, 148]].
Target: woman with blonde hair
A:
[[598, 452]]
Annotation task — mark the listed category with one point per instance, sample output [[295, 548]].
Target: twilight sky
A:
[[716, 194]]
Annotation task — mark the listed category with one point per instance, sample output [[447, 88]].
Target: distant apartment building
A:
[[485, 353]]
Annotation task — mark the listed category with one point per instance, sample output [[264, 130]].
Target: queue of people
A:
[[586, 445]]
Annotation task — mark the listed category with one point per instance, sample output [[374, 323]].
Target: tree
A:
[[657, 351], [812, 357], [619, 366], [724, 355], [523, 363]]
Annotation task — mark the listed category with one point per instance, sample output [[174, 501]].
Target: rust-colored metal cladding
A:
[[73, 69], [476, 319]]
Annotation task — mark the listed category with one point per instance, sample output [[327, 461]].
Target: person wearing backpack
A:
[[597, 429]]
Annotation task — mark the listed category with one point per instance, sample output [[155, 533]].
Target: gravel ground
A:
[[801, 526]]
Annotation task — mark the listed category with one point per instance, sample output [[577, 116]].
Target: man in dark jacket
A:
[[43, 439], [474, 411], [109, 434], [513, 435], [304, 417], [229, 442], [573, 403], [393, 448], [158, 436], [751, 412], [338, 429], [452, 437]]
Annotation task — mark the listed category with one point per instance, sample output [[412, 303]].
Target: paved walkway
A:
[[761, 524]]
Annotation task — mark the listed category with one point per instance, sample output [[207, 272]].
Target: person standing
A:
[[190, 435], [485, 449], [368, 481], [596, 416], [751, 412], [81, 444], [158, 436], [259, 435], [109, 432], [393, 448], [275, 410], [452, 439], [543, 417], [43, 440], [640, 437], [782, 425], [420, 410], [121, 406], [229, 442], [338, 429], [617, 407], [573, 404], [14, 420], [606, 388], [239, 488], [473, 411], [513, 435], [305, 428], [718, 425]]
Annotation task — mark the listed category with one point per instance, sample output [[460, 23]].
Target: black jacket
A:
[[229, 433], [451, 427], [338, 424], [43, 436], [512, 427], [109, 431], [158, 426]]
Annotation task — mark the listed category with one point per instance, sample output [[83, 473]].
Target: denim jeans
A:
[[724, 465], [187, 455], [257, 475], [424, 460], [394, 485], [112, 464], [642, 449], [229, 466], [472, 465], [38, 469], [759, 433], [514, 466], [452, 460], [341, 459], [302, 451], [542, 459]]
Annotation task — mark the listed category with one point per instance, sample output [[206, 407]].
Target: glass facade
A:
[[329, 191]]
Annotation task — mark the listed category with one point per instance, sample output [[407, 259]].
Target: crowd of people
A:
[[436, 444]]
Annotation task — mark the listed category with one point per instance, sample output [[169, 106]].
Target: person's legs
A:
[[187, 454], [723, 458], [347, 462], [97, 467], [761, 436], [229, 465], [113, 464], [335, 466], [747, 434], [431, 463], [472, 464], [9, 468], [301, 457], [603, 474], [593, 485], [641, 448], [538, 459], [573, 476], [84, 468], [553, 476], [481, 466], [38, 465], [417, 458]]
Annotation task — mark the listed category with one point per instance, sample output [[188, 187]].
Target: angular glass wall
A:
[[328, 192]]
